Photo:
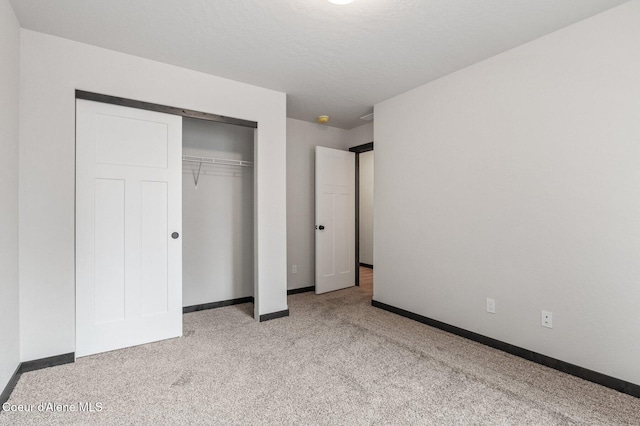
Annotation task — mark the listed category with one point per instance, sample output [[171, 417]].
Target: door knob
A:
[[175, 235], [321, 227]]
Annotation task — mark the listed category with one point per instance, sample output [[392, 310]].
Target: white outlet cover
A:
[[547, 319], [491, 305]]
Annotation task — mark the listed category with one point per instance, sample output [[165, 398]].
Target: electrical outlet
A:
[[294, 269], [491, 305], [547, 319]]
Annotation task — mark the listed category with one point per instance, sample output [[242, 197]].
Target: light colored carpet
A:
[[335, 360]]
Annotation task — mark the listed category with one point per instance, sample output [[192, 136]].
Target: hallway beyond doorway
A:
[[366, 280]]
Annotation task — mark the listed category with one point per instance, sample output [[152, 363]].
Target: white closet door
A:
[[335, 219], [128, 204]]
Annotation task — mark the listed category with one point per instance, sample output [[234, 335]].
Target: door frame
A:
[[107, 99], [359, 150], [131, 103]]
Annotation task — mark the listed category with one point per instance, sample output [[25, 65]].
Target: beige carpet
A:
[[335, 360]]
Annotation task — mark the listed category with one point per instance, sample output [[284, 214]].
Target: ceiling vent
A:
[[367, 117]]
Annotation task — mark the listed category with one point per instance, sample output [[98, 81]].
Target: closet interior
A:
[[217, 212]]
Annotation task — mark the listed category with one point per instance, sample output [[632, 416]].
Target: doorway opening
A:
[[364, 215]]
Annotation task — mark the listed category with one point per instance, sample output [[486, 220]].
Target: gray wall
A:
[[217, 216], [9, 103], [361, 134], [366, 207], [50, 69], [518, 179]]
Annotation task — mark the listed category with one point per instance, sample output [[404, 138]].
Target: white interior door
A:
[[335, 219], [128, 203]]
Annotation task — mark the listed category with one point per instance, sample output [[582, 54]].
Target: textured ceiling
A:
[[329, 59]]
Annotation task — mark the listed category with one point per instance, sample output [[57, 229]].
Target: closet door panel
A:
[[109, 246], [155, 249], [128, 203], [132, 142]]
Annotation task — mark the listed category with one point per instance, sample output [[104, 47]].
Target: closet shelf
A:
[[216, 161], [198, 162]]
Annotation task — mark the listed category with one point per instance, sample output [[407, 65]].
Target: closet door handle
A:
[[321, 227], [175, 235]]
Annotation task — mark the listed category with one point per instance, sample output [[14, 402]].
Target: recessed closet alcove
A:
[[165, 219], [217, 213]]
